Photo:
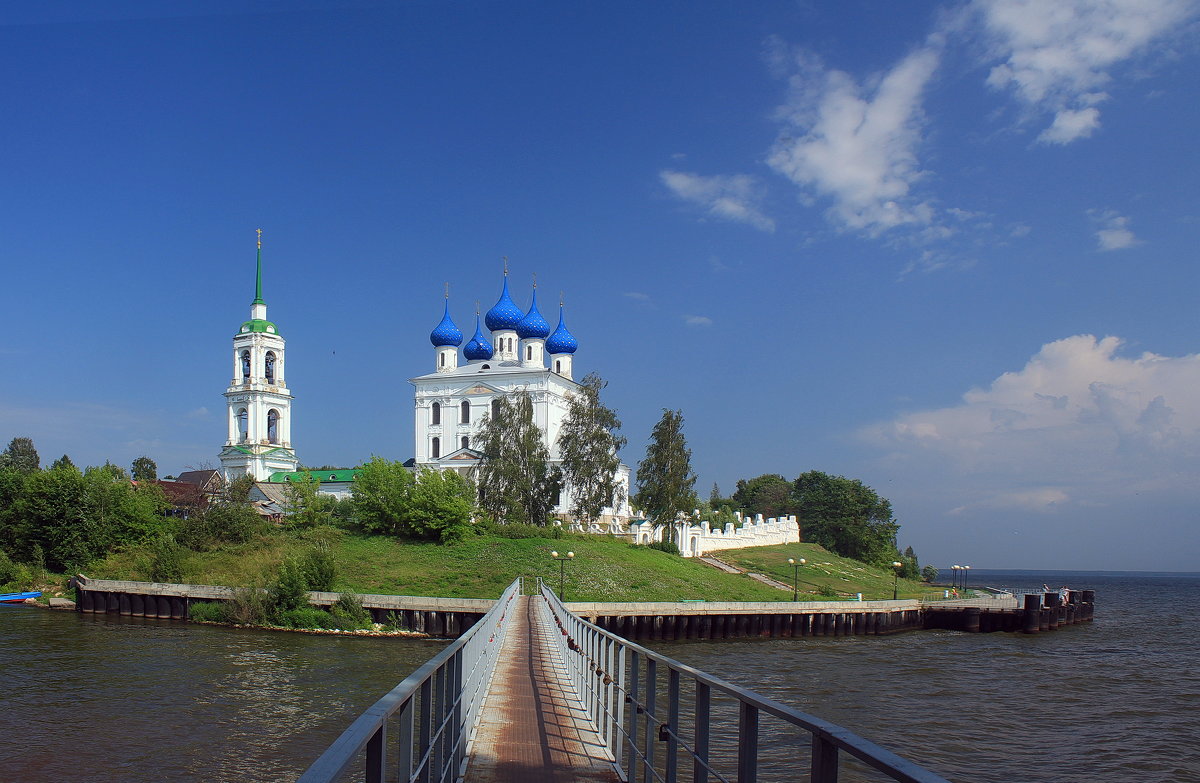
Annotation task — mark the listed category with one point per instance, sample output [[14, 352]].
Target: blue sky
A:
[[948, 249]]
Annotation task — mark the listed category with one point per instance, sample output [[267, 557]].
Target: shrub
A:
[[290, 591], [8, 569], [350, 613], [250, 606], [166, 560], [318, 567], [516, 530], [393, 622], [826, 591], [308, 617], [209, 612], [670, 547]]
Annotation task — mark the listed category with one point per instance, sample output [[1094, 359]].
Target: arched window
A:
[[465, 418], [272, 426], [466, 442], [558, 366], [496, 408], [243, 420], [435, 450], [270, 367], [245, 367], [441, 359], [435, 415], [528, 352]]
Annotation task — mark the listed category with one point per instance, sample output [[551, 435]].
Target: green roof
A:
[[324, 476], [258, 325]]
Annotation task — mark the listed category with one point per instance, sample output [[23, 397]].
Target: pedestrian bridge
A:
[[533, 693]]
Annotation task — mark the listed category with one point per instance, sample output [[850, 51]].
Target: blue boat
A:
[[16, 598]]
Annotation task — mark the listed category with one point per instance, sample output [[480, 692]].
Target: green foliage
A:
[[308, 617], [440, 506], [62, 462], [8, 569], [166, 560], [350, 613], [825, 591], [210, 612], [223, 521], [847, 517], [588, 444], [305, 505], [21, 456], [290, 590], [515, 530], [665, 479], [516, 481], [910, 568], [670, 547], [238, 490], [929, 573], [318, 567], [250, 606], [769, 494], [144, 469], [381, 497]]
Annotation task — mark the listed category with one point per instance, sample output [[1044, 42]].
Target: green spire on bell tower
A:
[[258, 273]]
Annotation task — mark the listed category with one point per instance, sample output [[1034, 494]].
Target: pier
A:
[[534, 692]]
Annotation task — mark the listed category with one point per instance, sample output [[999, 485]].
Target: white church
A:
[[520, 354]]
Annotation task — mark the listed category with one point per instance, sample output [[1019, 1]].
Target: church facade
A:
[[519, 354]]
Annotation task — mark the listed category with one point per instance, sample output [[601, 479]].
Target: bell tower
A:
[[258, 403]]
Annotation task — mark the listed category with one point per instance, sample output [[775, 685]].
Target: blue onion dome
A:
[[533, 325], [561, 341], [504, 314], [478, 346], [446, 332]]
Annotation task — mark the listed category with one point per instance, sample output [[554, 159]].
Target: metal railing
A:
[[619, 684], [435, 711]]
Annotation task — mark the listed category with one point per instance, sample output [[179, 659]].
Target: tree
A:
[[381, 496], [665, 478], [305, 505], [847, 517], [145, 469], [515, 479], [21, 455], [769, 494], [62, 462], [588, 444], [440, 506], [929, 573]]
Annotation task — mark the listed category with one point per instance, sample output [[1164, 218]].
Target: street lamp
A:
[[795, 564], [562, 570], [954, 579], [896, 566], [965, 569]]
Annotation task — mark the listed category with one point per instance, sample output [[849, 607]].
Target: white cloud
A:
[[1057, 55], [857, 144], [697, 320], [1114, 232], [199, 413], [637, 296], [732, 197], [1078, 424]]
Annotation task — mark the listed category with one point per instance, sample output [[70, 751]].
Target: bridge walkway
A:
[[534, 728]]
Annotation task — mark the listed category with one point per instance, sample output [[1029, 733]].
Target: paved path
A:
[[534, 729]]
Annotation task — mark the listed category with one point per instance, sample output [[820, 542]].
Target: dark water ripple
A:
[[109, 699]]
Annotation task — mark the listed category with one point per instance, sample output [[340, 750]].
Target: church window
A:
[[243, 420], [496, 408], [528, 352], [466, 412], [245, 367], [436, 450], [558, 366], [272, 426], [442, 359], [270, 367], [466, 442], [435, 415]]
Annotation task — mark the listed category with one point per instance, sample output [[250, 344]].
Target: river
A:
[[104, 698]]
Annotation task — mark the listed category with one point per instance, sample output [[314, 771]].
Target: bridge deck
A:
[[534, 729]]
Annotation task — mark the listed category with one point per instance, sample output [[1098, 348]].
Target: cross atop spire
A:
[[505, 265], [447, 290]]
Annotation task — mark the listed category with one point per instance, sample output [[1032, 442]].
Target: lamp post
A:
[[896, 566], [562, 570], [965, 569], [954, 575], [795, 564]]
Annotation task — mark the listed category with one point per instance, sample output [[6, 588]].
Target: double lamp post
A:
[[562, 570]]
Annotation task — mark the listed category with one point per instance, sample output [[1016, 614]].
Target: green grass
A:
[[604, 569], [824, 569]]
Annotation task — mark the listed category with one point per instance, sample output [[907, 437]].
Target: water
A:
[[1111, 700], [104, 699]]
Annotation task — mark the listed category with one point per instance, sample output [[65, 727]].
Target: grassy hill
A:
[[604, 569]]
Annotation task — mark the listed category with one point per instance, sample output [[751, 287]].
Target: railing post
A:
[[376, 754], [405, 759], [703, 708], [634, 696], [672, 724], [824, 761], [651, 717], [619, 720], [747, 743], [459, 748], [425, 723]]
